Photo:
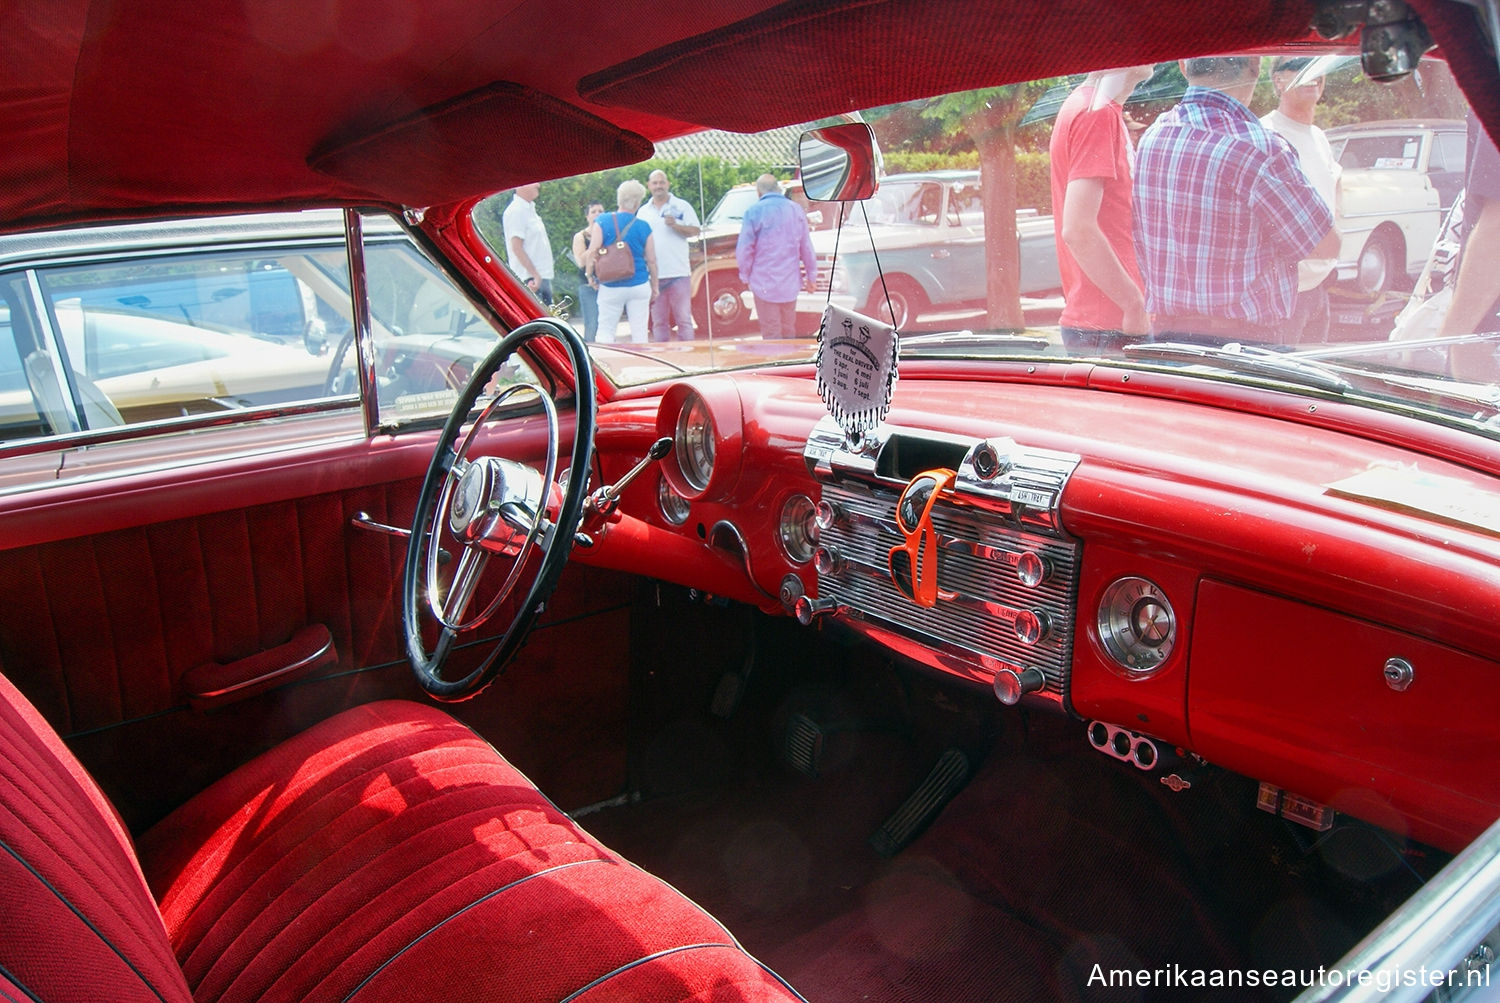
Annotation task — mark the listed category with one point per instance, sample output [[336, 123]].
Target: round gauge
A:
[[798, 531], [1137, 625], [673, 507], [695, 443]]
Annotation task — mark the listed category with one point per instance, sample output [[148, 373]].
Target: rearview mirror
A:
[[837, 163]]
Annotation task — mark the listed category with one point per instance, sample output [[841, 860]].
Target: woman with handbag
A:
[[622, 258]]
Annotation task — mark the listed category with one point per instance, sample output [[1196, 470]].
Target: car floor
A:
[[1051, 860]]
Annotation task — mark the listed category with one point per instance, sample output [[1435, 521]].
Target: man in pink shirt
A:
[[1092, 162], [775, 257]]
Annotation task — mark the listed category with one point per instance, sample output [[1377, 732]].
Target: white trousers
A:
[[634, 302]]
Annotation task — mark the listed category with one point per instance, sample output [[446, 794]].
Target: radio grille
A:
[[977, 560]]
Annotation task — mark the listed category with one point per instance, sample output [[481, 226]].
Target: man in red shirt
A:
[[1092, 161]]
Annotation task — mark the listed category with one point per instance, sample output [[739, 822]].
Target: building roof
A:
[[777, 147]]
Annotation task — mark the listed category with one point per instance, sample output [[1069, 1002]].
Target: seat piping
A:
[[82, 918], [448, 919]]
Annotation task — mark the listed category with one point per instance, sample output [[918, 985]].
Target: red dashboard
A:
[[1333, 599]]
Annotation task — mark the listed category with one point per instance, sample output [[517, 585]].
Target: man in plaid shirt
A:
[[1223, 212]]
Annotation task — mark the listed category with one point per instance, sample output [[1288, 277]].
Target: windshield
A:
[[1322, 259]]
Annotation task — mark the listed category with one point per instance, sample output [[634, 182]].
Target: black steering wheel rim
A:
[[427, 666]]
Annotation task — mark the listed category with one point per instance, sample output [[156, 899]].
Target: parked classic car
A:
[[927, 231], [944, 667], [720, 299], [1399, 180]]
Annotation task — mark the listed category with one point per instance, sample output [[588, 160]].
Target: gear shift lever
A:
[[603, 501]]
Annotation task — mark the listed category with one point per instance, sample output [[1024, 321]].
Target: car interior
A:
[[484, 662]]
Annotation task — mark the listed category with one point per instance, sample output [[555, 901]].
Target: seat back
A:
[[77, 921]]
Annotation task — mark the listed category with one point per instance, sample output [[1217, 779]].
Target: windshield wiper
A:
[[1000, 341], [1250, 360]]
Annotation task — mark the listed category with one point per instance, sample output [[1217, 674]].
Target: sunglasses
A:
[[913, 564]]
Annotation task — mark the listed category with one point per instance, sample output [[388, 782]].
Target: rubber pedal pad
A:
[[947, 778]]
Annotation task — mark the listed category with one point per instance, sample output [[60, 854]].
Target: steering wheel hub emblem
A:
[[469, 499]]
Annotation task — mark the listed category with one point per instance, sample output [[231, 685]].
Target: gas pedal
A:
[[947, 778]]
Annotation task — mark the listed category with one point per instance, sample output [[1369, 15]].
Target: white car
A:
[[1399, 177]]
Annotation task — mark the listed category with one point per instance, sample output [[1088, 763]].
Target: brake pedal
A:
[[947, 778], [802, 744]]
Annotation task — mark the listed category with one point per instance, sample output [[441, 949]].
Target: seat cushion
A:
[[390, 848], [77, 921]]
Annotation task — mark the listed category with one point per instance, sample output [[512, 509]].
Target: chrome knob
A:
[[829, 562], [827, 515], [1031, 626], [1032, 569], [807, 609], [1011, 686]]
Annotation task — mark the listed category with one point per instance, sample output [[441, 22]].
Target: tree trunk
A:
[[993, 131]]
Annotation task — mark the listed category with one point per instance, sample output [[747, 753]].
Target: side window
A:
[[1388, 153], [148, 339], [20, 415], [128, 338], [1452, 148], [428, 336]]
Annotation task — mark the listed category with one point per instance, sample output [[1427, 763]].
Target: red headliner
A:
[[112, 108]]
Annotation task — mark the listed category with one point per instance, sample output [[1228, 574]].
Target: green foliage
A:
[[1034, 181], [907, 162], [562, 203]]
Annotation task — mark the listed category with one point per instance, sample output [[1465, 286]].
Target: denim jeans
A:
[[588, 309], [674, 304]]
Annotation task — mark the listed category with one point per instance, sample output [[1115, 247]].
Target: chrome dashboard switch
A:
[[1011, 686]]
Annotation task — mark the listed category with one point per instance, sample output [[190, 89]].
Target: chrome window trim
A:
[[168, 426], [364, 337]]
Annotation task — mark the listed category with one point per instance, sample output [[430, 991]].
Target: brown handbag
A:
[[615, 261]]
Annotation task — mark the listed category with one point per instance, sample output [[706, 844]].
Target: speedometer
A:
[[695, 443]]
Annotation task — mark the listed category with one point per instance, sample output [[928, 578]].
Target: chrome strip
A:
[[167, 426], [359, 294]]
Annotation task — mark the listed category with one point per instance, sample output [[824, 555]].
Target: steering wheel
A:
[[493, 509]]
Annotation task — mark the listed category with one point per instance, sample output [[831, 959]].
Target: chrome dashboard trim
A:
[[983, 529]]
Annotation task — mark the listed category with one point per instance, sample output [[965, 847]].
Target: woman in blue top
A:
[[631, 295]]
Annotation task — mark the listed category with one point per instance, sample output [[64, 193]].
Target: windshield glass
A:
[[1317, 249]]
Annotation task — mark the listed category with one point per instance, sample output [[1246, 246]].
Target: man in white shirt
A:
[[1292, 119], [526, 243], [672, 222]]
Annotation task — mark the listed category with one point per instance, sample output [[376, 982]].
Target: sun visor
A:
[[481, 142], [807, 58]]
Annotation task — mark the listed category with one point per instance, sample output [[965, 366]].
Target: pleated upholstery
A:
[[77, 921], [389, 853]]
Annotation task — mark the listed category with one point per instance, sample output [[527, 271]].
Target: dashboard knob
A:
[[1011, 686], [829, 562], [1032, 569], [807, 609], [828, 514], [1032, 626]]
